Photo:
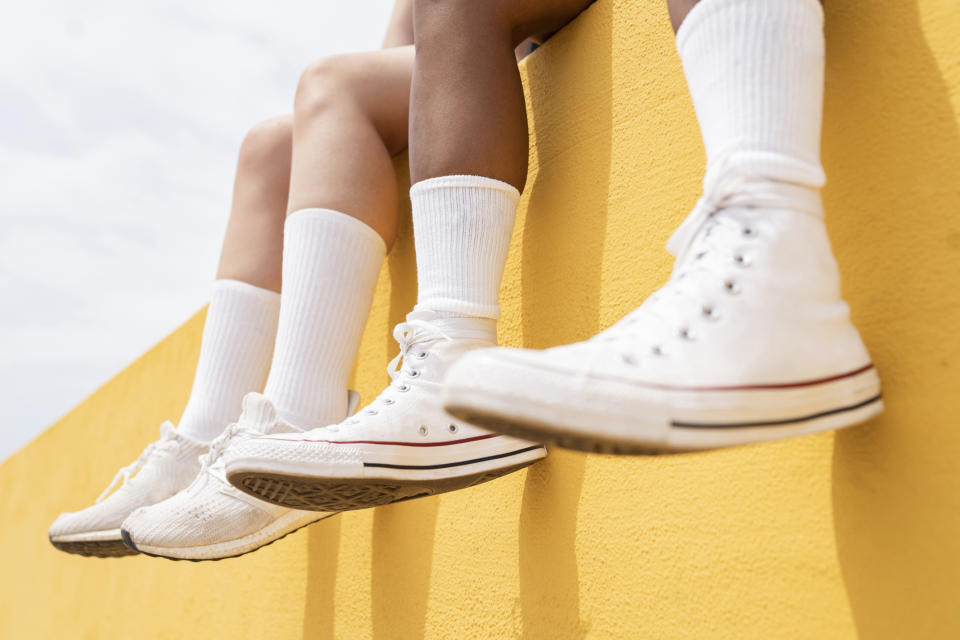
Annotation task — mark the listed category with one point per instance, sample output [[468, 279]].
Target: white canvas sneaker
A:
[[165, 467], [748, 341], [401, 446], [211, 520]]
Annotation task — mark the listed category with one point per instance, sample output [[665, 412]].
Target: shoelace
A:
[[703, 241], [408, 335], [167, 442]]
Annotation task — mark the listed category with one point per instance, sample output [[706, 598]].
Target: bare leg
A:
[[253, 245], [468, 113], [679, 10], [350, 119]]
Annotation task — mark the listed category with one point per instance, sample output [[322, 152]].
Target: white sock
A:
[[235, 354], [755, 71], [462, 227], [330, 266]]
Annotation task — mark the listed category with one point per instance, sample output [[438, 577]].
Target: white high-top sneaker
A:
[[748, 341], [403, 445], [165, 467], [210, 520]]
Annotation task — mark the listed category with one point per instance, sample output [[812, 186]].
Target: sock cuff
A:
[[460, 181], [227, 285], [752, 12], [337, 220]]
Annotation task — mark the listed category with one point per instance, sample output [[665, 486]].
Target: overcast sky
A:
[[119, 127]]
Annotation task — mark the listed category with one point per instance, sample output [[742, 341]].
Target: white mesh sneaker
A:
[[401, 446], [748, 341], [165, 467], [211, 520]]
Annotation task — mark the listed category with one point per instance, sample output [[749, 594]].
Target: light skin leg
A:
[[253, 245], [350, 119]]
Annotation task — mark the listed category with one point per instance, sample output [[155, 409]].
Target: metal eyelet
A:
[[414, 373], [685, 333], [403, 388], [629, 359], [742, 260], [421, 356], [710, 313], [453, 428], [422, 430], [371, 412], [749, 232], [731, 287], [389, 401]]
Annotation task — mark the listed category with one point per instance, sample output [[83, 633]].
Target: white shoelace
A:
[[167, 442], [408, 335], [705, 245]]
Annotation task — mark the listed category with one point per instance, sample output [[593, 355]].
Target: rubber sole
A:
[[128, 541], [348, 494], [670, 421], [95, 548]]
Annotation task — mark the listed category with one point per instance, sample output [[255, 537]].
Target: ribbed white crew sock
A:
[[330, 266], [755, 72], [235, 354], [462, 227]]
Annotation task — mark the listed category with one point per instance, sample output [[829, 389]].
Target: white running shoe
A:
[[748, 341], [401, 446], [210, 520], [165, 467]]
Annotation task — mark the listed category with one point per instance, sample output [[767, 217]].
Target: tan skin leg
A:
[[253, 245], [350, 119], [468, 114], [680, 8]]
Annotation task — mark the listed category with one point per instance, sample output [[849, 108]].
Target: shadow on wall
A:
[[558, 308], [893, 199]]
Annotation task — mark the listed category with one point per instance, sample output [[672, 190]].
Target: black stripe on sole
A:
[[447, 465], [773, 423]]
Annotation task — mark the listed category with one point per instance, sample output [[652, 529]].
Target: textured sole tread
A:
[[95, 548], [327, 494]]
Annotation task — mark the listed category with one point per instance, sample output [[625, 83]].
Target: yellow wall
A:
[[823, 537]]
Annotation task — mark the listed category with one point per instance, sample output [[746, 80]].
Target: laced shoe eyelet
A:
[[403, 388], [749, 232], [414, 373], [453, 428], [370, 412], [423, 430], [389, 401], [686, 333], [742, 260], [710, 313], [629, 359], [422, 355], [731, 287], [700, 255], [657, 350]]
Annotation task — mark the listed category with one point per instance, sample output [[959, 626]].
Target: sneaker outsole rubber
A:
[[347, 494]]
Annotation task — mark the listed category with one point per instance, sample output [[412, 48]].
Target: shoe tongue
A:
[[258, 413]]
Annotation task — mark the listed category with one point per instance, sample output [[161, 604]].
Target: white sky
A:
[[119, 126]]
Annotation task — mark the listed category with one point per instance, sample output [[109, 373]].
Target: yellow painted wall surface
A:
[[841, 536]]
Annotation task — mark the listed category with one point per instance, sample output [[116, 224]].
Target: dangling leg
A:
[[235, 350], [749, 340]]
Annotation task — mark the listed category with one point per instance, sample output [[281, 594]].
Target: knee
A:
[[267, 145], [326, 84]]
